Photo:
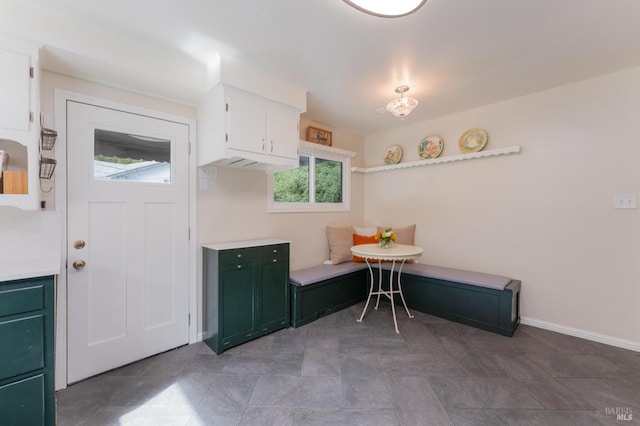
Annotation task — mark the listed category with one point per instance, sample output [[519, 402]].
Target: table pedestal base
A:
[[389, 293]]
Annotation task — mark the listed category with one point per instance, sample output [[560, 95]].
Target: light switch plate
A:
[[204, 184], [625, 201]]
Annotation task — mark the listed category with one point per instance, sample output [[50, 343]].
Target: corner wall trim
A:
[[583, 334]]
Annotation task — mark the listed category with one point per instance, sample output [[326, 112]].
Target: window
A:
[[320, 183]]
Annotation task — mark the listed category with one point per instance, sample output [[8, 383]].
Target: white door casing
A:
[[131, 300]]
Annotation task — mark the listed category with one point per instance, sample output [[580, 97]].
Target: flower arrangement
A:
[[386, 238]]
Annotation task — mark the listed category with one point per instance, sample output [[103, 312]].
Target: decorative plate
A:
[[430, 147], [393, 155], [473, 140]]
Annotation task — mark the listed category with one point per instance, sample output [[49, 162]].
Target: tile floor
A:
[[336, 371]]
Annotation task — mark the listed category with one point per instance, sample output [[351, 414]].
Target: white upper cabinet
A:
[[255, 125], [19, 127], [246, 123], [249, 119], [15, 90], [283, 130], [240, 129]]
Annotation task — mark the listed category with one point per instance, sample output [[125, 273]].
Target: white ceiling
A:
[[454, 54]]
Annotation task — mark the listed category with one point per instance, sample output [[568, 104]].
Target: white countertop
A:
[[30, 244], [244, 244], [29, 268]]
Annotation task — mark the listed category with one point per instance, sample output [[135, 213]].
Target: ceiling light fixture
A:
[[387, 8], [402, 106]]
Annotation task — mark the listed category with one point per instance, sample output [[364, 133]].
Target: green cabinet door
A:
[[237, 307], [273, 288], [274, 295]]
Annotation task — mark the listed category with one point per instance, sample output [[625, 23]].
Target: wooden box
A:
[[15, 182]]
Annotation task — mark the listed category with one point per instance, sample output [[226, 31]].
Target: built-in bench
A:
[[324, 289], [486, 301]]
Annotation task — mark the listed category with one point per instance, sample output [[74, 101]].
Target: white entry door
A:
[[128, 237]]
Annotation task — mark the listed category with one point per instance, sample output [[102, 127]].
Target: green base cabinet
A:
[[313, 301], [245, 292], [27, 395]]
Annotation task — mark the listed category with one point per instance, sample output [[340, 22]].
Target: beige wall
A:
[[234, 207], [545, 215]]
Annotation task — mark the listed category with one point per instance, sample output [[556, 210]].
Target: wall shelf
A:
[[323, 148], [481, 154]]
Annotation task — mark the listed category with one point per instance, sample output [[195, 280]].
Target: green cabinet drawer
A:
[[277, 251], [22, 343], [15, 299], [23, 402], [238, 256]]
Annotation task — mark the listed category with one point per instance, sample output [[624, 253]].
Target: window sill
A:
[[316, 147]]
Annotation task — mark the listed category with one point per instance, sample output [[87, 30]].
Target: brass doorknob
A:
[[78, 244], [79, 264]]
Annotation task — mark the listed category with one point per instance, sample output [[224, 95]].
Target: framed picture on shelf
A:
[[316, 135]]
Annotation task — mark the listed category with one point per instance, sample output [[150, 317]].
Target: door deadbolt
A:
[[78, 244], [79, 264]]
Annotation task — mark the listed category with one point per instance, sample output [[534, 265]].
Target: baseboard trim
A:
[[583, 334]]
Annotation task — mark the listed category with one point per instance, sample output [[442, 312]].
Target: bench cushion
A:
[[481, 279], [324, 272]]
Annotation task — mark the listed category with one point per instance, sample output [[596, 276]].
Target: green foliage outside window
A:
[[328, 181], [292, 186]]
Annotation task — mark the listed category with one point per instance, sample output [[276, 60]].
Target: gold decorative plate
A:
[[473, 140], [430, 147], [393, 155]]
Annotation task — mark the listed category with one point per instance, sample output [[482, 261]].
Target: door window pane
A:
[[122, 156]]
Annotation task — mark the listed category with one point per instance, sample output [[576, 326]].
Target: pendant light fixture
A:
[[387, 8], [402, 106]]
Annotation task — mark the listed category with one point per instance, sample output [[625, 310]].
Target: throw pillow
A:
[[340, 242], [405, 235], [362, 239], [365, 231]]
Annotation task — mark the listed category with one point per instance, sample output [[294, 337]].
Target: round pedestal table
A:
[[398, 253]]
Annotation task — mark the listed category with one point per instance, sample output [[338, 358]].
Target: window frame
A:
[[314, 151]]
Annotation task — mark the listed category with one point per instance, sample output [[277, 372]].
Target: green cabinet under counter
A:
[[27, 394], [246, 292]]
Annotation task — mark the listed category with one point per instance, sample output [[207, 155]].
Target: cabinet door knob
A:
[[275, 260], [239, 256], [275, 251], [239, 266], [78, 244], [79, 264]]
